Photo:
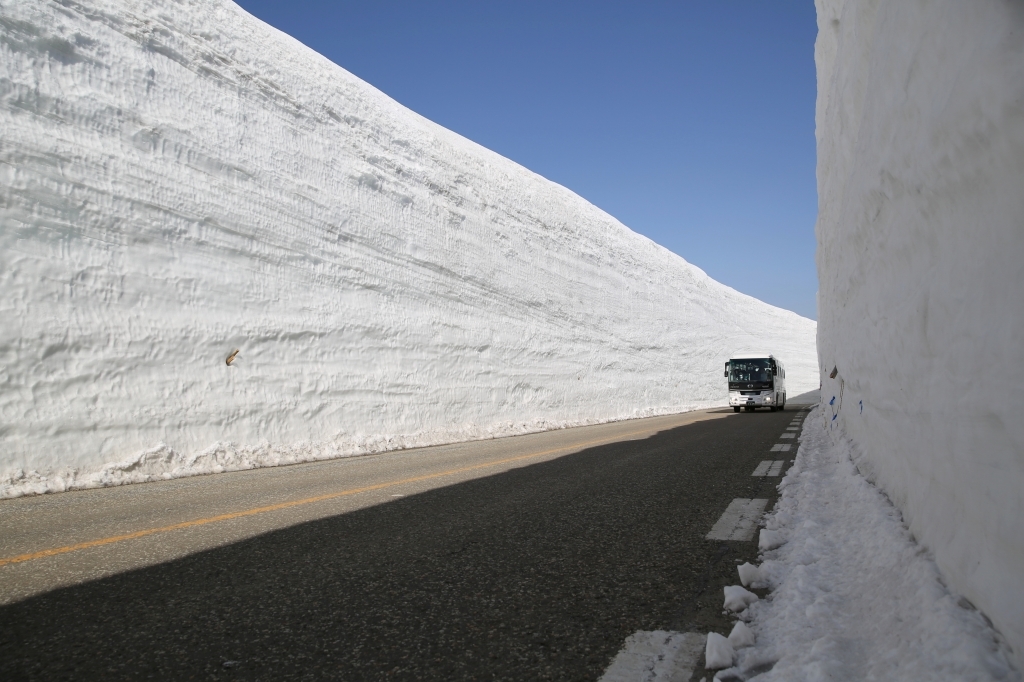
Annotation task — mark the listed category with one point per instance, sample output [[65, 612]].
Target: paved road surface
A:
[[522, 558]]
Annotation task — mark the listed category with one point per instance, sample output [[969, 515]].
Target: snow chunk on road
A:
[[718, 653], [737, 598], [854, 597], [749, 574]]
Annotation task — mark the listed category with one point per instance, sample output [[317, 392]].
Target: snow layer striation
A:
[[179, 180], [920, 131]]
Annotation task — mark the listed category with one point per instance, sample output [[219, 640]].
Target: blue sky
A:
[[691, 122]]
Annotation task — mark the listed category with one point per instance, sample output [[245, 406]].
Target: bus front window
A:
[[750, 370]]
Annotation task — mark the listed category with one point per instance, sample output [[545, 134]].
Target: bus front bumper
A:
[[766, 399]]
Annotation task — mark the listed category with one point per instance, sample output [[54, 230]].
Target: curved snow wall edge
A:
[[179, 180], [920, 128]]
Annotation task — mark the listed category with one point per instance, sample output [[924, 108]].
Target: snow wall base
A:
[[920, 132]]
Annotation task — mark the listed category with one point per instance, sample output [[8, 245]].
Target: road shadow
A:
[[538, 572], [809, 398]]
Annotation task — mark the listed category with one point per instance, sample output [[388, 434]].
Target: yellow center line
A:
[[297, 503]]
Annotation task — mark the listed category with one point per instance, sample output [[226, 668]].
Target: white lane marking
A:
[[792, 428], [788, 435], [780, 447], [769, 468], [657, 656], [738, 521]]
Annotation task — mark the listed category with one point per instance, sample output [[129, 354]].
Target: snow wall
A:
[[179, 180], [920, 128]]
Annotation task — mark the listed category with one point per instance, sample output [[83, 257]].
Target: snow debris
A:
[[741, 635], [718, 653], [749, 574], [738, 598]]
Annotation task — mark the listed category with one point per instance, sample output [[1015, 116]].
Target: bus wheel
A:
[[735, 408], [773, 408]]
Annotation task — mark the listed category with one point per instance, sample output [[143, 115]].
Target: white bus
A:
[[756, 381]]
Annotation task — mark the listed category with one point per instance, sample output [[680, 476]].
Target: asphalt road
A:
[[515, 559]]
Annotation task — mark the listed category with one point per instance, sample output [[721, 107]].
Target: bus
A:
[[756, 381]]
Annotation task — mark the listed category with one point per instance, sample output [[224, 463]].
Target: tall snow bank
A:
[[920, 128], [179, 180]]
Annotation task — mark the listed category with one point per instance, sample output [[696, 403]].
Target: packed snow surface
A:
[[179, 181], [920, 131], [853, 595]]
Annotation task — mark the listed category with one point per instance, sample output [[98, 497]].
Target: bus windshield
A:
[[750, 370]]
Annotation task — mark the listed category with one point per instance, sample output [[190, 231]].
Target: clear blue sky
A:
[[691, 122]]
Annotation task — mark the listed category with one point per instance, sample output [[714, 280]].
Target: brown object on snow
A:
[[231, 358]]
